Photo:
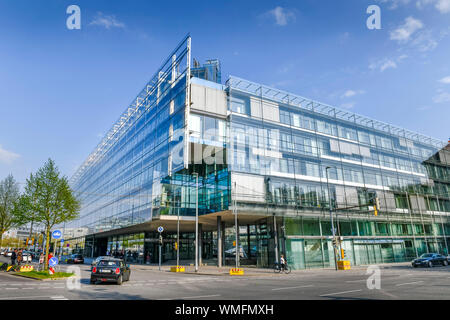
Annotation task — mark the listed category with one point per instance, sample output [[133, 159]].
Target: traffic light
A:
[[160, 240], [176, 245], [342, 253], [334, 242], [376, 206]]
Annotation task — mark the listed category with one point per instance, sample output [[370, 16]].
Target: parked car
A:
[[429, 260], [75, 258], [3, 251], [26, 257], [8, 253], [110, 270]]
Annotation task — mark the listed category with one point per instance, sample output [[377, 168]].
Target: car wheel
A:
[[119, 280], [430, 264], [92, 281], [445, 263]]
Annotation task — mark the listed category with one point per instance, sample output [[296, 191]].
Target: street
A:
[[397, 281]]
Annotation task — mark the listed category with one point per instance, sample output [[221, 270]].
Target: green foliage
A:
[[9, 199], [48, 200], [45, 274]]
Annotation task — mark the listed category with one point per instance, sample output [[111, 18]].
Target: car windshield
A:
[[106, 263], [426, 255]]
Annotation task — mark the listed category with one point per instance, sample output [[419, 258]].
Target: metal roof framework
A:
[[260, 90]]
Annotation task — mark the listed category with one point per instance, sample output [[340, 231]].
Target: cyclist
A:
[[282, 263]]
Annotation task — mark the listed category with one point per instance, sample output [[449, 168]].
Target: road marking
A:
[[44, 287], [350, 281], [404, 284], [30, 297], [58, 287], [197, 297], [11, 288], [59, 298], [337, 293], [287, 288]]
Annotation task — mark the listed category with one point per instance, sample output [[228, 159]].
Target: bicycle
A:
[[278, 268]]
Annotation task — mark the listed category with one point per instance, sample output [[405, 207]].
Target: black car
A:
[[110, 270], [429, 260], [75, 258]]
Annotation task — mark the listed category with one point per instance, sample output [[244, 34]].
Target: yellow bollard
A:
[[177, 269], [236, 272]]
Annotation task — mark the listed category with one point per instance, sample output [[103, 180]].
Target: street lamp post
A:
[[196, 221], [238, 250], [331, 219]]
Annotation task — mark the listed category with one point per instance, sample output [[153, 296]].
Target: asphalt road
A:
[[397, 282]]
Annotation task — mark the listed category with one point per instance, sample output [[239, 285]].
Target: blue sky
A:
[[61, 90]]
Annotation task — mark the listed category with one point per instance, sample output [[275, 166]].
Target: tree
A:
[[50, 199], [9, 199]]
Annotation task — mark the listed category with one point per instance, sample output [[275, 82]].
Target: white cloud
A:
[[7, 156], [394, 4], [404, 32], [445, 80], [387, 63], [281, 15], [424, 41], [106, 21], [348, 105], [441, 97], [352, 93], [443, 6]]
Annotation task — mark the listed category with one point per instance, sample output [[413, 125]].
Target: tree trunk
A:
[[47, 247]]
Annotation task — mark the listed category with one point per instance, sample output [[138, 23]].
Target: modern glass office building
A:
[[274, 159]]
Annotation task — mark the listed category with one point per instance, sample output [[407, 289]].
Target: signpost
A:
[[160, 230], [57, 234]]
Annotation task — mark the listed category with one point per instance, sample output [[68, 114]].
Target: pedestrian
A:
[[19, 257], [13, 257]]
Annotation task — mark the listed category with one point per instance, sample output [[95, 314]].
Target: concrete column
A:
[[275, 235], [223, 243], [200, 243], [248, 241], [219, 241]]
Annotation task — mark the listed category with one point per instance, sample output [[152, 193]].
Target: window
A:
[[401, 201]]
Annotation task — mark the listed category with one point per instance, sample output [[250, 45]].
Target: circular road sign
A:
[[160, 229], [53, 262], [56, 234]]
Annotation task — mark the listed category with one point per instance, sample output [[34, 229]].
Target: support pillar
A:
[[275, 235], [248, 241], [219, 241], [223, 243], [200, 243]]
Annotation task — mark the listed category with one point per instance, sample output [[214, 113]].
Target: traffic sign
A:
[[160, 229], [56, 234], [62, 240], [53, 262]]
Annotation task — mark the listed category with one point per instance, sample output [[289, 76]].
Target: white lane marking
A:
[[44, 288], [59, 298], [350, 281], [58, 287], [287, 288], [404, 284], [11, 288], [29, 297], [337, 293], [194, 297]]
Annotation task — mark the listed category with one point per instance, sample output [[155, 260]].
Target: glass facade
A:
[[270, 155], [290, 144]]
